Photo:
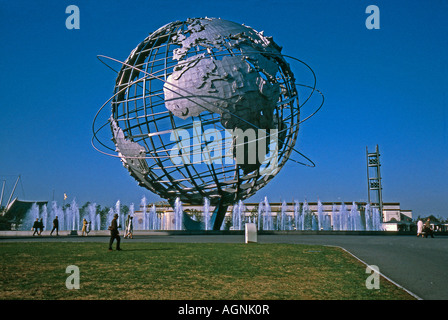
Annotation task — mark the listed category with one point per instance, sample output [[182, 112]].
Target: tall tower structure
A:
[[374, 187]]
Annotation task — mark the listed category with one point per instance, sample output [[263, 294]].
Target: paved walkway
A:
[[417, 264]]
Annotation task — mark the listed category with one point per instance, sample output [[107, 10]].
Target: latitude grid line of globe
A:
[[144, 100]]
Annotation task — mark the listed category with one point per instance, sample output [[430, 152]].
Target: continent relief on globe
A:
[[229, 87]]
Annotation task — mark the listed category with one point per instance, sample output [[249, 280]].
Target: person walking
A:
[[55, 226], [126, 225], [427, 229], [84, 227], [41, 226], [420, 228], [129, 228], [35, 227], [114, 234]]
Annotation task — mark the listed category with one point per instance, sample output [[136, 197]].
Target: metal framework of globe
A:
[[220, 75]]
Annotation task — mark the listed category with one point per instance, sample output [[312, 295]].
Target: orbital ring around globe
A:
[[222, 75], [149, 76]]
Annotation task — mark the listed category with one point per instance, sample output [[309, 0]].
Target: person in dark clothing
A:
[[55, 226], [114, 233], [41, 226], [427, 229], [36, 227]]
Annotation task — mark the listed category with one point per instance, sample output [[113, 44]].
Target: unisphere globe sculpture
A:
[[205, 108]]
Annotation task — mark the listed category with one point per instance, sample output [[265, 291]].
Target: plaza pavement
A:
[[419, 265]]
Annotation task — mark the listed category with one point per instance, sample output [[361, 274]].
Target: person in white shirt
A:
[[420, 228]]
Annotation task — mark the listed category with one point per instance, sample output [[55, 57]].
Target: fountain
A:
[[296, 214], [265, 220], [324, 220], [306, 218], [178, 215], [260, 214], [163, 221], [269, 221], [44, 216], [98, 221], [335, 216], [376, 220], [341, 218], [314, 222], [283, 218], [154, 221], [368, 217], [57, 212], [51, 217], [91, 216], [146, 220], [110, 216], [238, 215], [241, 213], [235, 220], [68, 218], [30, 217], [355, 216], [320, 216], [136, 224], [71, 216], [121, 218], [372, 219], [206, 214]]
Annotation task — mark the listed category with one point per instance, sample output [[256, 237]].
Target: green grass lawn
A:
[[172, 271]]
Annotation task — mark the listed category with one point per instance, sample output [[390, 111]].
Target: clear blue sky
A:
[[385, 87]]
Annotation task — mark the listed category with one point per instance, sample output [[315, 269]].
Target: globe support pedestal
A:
[[218, 215], [187, 222], [215, 220]]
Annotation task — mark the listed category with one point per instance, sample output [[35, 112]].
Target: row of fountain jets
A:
[[340, 219]]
